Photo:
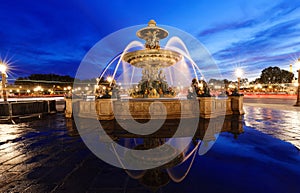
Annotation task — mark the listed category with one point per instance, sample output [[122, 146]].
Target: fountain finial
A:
[[151, 23]]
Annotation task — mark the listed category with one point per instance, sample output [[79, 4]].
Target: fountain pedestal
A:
[[207, 107], [107, 109], [155, 109], [228, 106], [104, 109], [69, 108], [237, 105]]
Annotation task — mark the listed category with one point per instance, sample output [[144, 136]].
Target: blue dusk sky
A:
[[53, 36]]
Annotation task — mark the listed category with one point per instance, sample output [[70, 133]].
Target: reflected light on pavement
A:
[[282, 124]]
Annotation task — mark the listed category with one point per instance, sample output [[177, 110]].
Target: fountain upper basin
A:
[[152, 57]]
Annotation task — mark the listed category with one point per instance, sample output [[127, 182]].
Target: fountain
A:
[[146, 97], [152, 60], [150, 81]]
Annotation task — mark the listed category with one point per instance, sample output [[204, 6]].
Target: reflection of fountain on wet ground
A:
[[48, 156], [177, 169], [228, 162]]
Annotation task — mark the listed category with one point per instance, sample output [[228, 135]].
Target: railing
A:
[[18, 110]]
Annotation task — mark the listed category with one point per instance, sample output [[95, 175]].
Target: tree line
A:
[[46, 77], [51, 78], [274, 75]]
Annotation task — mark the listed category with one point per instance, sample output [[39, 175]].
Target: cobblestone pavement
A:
[[47, 155]]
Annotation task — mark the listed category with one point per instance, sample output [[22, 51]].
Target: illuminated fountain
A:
[[157, 72], [152, 60], [167, 75], [163, 69], [143, 95]]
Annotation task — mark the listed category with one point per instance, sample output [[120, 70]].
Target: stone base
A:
[[104, 109], [237, 105], [207, 107], [69, 108], [166, 108], [155, 109]]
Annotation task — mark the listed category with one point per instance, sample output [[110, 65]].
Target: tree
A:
[[44, 80], [51, 77], [286, 76], [275, 75]]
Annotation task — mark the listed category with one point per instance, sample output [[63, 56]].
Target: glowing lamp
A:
[[238, 72], [3, 68]]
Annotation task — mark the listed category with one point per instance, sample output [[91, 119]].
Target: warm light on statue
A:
[[109, 79]]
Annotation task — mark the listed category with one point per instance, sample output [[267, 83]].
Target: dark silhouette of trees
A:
[[51, 77], [47, 77], [272, 75], [45, 80]]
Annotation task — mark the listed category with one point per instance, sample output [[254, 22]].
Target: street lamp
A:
[[298, 87], [238, 74], [3, 69]]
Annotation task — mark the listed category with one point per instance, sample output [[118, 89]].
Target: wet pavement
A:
[[272, 103], [282, 124], [276, 117], [47, 155]]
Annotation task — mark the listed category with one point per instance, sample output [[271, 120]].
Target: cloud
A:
[[270, 40], [49, 34], [37, 33], [262, 42], [227, 26]]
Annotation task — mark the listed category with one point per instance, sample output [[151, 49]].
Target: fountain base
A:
[[139, 108]]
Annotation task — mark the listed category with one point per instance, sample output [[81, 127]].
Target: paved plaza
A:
[[47, 155], [276, 117]]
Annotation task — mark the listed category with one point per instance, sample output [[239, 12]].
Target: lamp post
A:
[[298, 87], [238, 74], [3, 75]]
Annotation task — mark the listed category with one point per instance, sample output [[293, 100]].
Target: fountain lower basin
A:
[[155, 108]]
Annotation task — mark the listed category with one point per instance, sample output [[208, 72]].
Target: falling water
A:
[[109, 64], [127, 69], [183, 71], [176, 44]]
